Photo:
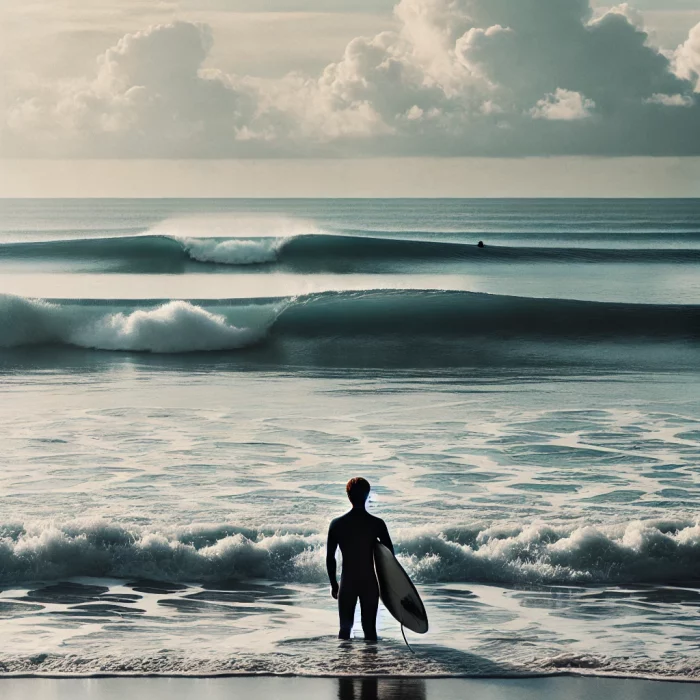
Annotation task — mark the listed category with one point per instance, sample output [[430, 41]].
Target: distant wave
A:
[[311, 252], [636, 552], [321, 250], [146, 253], [175, 326], [233, 251]]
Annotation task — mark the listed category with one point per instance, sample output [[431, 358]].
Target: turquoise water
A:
[[187, 385]]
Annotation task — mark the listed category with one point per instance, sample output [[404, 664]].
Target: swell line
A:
[[407, 316], [312, 253]]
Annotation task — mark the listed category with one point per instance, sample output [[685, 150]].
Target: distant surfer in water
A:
[[480, 244], [356, 533]]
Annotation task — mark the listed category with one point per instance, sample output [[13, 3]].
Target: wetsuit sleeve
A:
[[331, 546], [384, 538]]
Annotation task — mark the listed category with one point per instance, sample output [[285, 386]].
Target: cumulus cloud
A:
[[457, 77], [563, 105], [149, 95], [688, 58], [671, 100]]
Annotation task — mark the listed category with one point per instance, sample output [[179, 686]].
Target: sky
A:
[[354, 98]]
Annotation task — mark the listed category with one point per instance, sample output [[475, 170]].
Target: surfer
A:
[[356, 533]]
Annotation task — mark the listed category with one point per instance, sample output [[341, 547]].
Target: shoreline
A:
[[335, 676]]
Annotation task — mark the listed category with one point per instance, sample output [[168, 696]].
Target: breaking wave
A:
[[170, 327], [176, 326], [233, 251], [635, 552]]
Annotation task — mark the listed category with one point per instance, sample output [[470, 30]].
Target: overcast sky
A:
[[549, 93]]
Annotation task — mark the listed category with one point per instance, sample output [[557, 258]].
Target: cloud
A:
[[287, 5], [457, 77], [149, 95], [563, 105], [670, 100], [688, 58]]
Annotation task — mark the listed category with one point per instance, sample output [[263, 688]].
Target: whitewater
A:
[[185, 387]]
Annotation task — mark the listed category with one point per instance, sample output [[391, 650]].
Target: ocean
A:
[[186, 386]]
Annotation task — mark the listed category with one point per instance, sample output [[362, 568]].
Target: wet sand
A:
[[264, 688]]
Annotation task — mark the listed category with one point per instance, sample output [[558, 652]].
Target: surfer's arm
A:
[[384, 537], [331, 546]]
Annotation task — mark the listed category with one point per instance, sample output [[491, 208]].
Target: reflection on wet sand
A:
[[374, 689]]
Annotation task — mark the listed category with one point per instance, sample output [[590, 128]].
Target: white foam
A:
[[640, 552], [234, 239], [176, 326], [234, 251], [98, 548], [634, 552]]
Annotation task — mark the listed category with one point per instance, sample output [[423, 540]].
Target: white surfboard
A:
[[398, 593]]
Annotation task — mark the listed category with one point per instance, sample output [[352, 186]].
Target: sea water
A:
[[186, 386]]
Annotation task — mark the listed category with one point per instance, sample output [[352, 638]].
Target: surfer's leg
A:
[[369, 604], [347, 601]]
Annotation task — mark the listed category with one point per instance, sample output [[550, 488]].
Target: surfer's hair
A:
[[358, 490]]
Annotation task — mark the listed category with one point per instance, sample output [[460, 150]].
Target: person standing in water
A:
[[356, 533]]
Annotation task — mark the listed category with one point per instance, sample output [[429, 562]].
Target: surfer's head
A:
[[357, 490]]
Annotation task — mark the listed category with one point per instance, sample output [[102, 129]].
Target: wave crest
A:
[[453, 324], [233, 251], [636, 552], [173, 327], [306, 252]]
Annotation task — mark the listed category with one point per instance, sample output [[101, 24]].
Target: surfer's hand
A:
[[334, 590]]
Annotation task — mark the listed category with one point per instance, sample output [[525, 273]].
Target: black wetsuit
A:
[[356, 533]]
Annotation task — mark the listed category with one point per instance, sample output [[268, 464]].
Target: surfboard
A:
[[397, 591]]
